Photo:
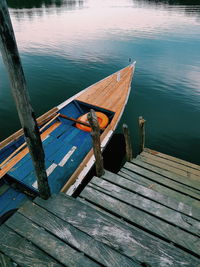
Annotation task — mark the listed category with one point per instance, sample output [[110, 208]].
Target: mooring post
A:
[[26, 114], [142, 133], [129, 150], [92, 118]]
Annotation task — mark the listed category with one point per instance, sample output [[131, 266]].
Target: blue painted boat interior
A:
[[65, 148]]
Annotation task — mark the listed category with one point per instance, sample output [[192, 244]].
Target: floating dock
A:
[[146, 215]]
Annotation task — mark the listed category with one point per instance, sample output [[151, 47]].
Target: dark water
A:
[[67, 45]]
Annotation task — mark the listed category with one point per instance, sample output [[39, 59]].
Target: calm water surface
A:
[[67, 45]]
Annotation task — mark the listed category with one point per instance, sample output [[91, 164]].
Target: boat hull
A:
[[68, 150]]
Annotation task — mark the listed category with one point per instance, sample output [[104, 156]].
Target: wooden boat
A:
[[68, 149]]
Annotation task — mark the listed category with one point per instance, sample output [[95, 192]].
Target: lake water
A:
[[67, 45]]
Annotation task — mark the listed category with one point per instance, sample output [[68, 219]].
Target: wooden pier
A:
[[146, 215]]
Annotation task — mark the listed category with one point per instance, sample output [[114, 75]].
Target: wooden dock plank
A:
[[21, 251], [141, 161], [171, 158], [53, 246], [133, 242], [142, 219], [5, 261], [162, 180], [163, 199], [161, 188], [94, 249], [172, 166], [158, 210]]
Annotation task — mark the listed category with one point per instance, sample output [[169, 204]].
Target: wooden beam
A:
[[92, 118], [129, 151], [26, 114], [74, 120], [142, 133]]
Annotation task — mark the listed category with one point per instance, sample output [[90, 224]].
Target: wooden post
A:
[[142, 133], [129, 151], [26, 114], [92, 118]]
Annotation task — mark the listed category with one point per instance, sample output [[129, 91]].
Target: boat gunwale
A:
[[105, 136], [19, 133]]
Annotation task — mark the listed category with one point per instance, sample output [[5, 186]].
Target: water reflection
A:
[[19, 4], [61, 42], [22, 8], [190, 7]]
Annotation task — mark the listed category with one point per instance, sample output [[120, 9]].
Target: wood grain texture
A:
[[127, 138], [150, 223], [110, 94], [158, 210], [5, 261], [158, 187], [47, 242], [163, 180], [141, 161], [131, 242], [100, 94], [74, 237], [23, 252], [169, 157], [92, 118], [141, 122], [164, 199], [173, 166]]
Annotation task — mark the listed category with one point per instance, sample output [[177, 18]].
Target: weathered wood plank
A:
[[57, 249], [163, 199], [141, 161], [162, 180], [161, 188], [172, 166], [95, 133], [21, 251], [96, 250], [5, 261], [132, 242], [127, 138], [143, 219], [173, 217], [165, 156], [142, 133]]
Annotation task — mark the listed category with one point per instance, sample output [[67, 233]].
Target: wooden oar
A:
[[77, 121], [24, 144]]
